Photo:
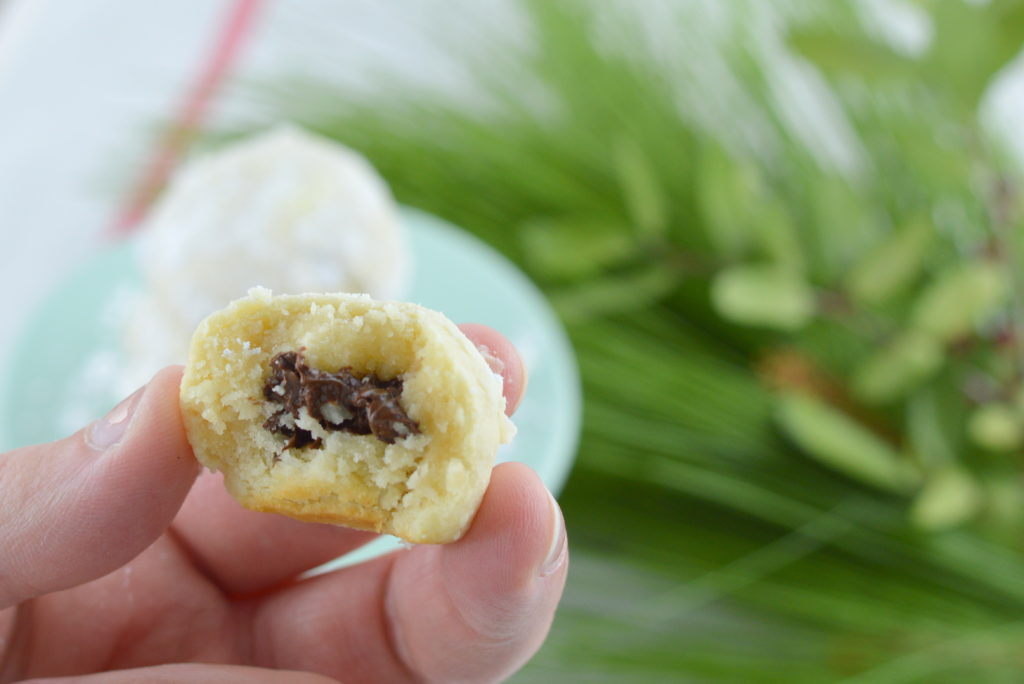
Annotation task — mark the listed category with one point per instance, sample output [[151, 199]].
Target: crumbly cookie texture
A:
[[423, 487]]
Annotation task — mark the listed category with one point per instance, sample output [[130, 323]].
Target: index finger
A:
[[502, 357], [74, 510]]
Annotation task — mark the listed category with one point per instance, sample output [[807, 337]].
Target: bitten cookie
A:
[[337, 408]]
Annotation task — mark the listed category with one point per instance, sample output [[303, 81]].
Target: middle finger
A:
[[247, 552]]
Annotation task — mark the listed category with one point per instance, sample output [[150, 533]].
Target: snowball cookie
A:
[[338, 408], [285, 209]]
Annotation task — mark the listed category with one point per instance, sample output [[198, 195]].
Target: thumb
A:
[[478, 609], [77, 509]]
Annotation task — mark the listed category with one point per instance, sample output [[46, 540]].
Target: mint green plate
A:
[[454, 273]]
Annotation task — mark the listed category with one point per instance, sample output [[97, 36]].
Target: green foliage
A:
[[803, 392], [855, 55], [898, 367], [959, 299], [973, 41], [763, 295], [997, 427], [838, 441], [726, 192], [948, 498], [575, 248], [645, 200], [890, 267], [935, 430]]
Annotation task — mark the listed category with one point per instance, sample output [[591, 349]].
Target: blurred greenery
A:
[[802, 350]]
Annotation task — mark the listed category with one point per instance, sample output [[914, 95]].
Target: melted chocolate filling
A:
[[362, 405]]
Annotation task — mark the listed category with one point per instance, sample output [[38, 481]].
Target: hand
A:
[[116, 554]]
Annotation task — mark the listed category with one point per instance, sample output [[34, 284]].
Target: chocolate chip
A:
[[344, 401]]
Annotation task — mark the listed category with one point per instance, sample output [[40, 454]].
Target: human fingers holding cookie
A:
[[215, 583]]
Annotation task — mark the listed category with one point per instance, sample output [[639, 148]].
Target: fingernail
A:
[[109, 431], [558, 550], [497, 366], [493, 360]]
